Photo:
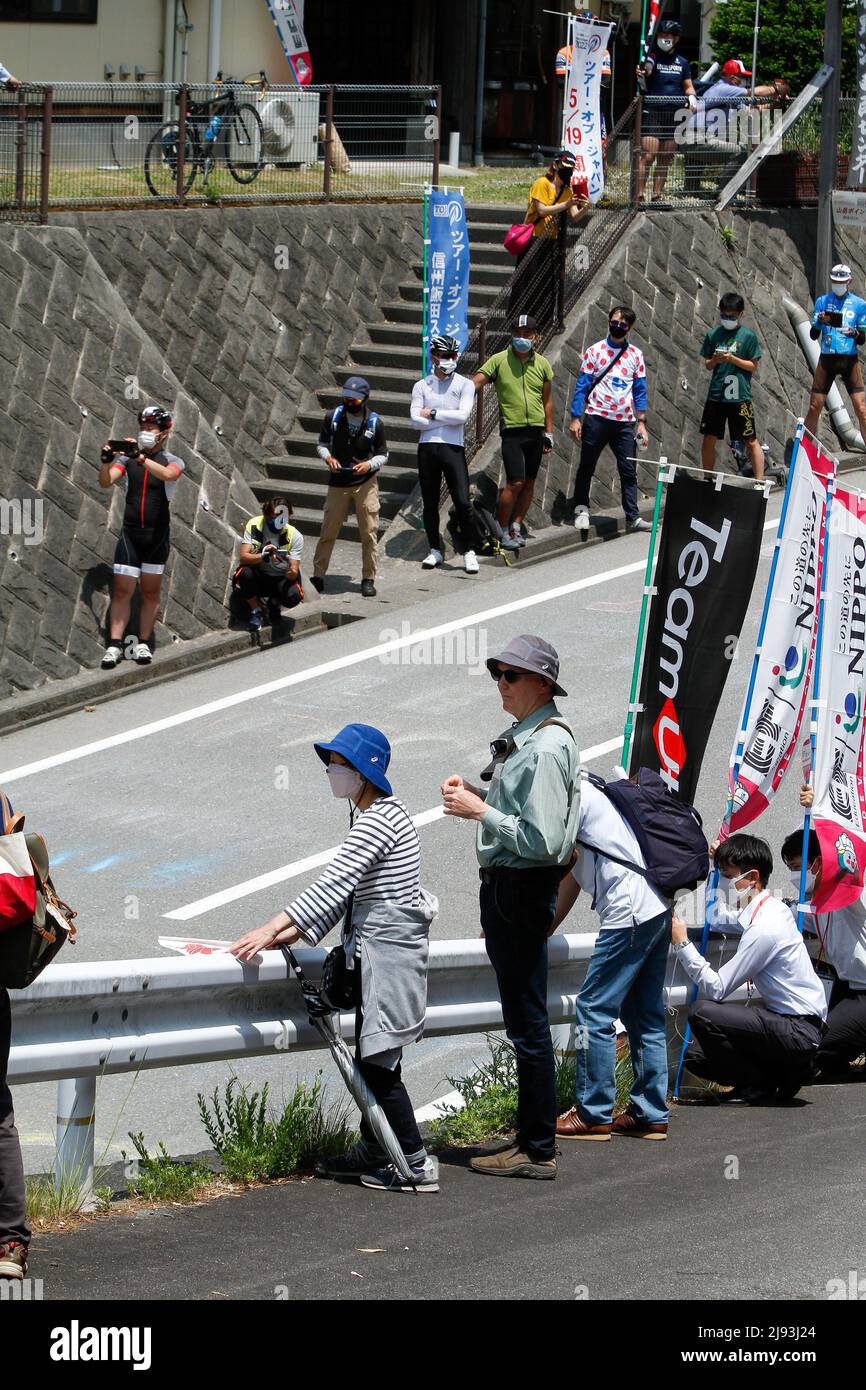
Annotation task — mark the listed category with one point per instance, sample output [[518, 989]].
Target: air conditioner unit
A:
[[291, 125]]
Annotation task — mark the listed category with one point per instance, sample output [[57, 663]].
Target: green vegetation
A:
[[791, 41], [162, 1178], [257, 1143]]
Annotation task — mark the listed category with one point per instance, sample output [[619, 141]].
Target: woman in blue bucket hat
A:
[[373, 884]]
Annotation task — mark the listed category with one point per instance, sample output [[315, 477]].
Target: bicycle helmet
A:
[[671, 26], [155, 417], [446, 345]]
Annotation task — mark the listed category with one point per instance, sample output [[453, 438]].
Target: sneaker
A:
[[517, 535], [470, 562], [13, 1259], [142, 654], [636, 1128], [112, 656], [496, 1146], [581, 520], [571, 1126], [357, 1161], [255, 622], [317, 583], [513, 1163], [638, 524], [368, 588], [387, 1179], [747, 1095], [433, 559]]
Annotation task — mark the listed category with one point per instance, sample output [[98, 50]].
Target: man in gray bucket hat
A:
[[527, 821]]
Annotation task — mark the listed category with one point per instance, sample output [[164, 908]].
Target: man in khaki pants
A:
[[352, 444]]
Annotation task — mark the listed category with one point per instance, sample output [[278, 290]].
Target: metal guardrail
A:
[[124, 144], [77, 1023]]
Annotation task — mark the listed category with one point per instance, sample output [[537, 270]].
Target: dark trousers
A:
[[448, 461], [387, 1086], [517, 909], [845, 1038], [597, 432], [13, 1220], [738, 1046], [252, 582]]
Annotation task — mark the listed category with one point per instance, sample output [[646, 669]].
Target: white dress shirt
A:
[[843, 935], [619, 895], [452, 399], [772, 953]]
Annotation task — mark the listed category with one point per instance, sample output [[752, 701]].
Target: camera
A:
[[119, 446]]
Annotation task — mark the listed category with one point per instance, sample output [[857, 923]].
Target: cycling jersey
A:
[[147, 497], [519, 386], [853, 311]]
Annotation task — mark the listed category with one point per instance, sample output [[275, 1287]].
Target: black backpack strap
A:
[[605, 854]]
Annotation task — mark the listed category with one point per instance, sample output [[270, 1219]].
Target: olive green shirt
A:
[[519, 387], [533, 798]]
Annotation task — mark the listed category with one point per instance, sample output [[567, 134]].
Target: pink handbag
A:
[[518, 237]]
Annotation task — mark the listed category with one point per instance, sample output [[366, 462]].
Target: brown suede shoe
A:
[[571, 1126], [635, 1128], [496, 1146], [512, 1163]]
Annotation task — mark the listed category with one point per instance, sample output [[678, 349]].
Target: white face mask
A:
[[666, 45], [729, 323], [345, 781], [446, 365], [734, 897], [839, 288], [147, 439], [810, 881]]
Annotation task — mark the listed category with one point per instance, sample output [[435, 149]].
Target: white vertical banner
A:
[[857, 158], [288, 17], [581, 117]]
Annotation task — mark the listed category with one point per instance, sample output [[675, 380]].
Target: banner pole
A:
[[803, 909], [647, 590], [740, 747], [428, 191]]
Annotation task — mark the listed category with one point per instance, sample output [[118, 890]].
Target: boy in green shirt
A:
[[731, 352]]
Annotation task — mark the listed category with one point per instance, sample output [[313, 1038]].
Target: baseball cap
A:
[[356, 386], [566, 158], [841, 272], [735, 67], [527, 322], [530, 653]]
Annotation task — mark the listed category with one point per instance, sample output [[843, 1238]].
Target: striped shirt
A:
[[379, 861]]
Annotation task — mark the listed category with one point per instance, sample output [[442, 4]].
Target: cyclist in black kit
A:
[[151, 474]]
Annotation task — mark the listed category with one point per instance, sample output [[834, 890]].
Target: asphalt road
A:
[[227, 787]]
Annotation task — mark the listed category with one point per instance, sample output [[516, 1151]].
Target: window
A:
[[71, 11]]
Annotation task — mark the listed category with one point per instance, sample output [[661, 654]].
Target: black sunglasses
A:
[[497, 672]]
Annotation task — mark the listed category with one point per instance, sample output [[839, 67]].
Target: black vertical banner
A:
[[707, 558]]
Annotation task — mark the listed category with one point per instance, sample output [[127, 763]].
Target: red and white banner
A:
[[777, 716], [288, 17], [581, 118], [17, 882], [839, 807]]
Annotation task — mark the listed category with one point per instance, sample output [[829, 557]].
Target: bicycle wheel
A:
[[245, 140], [160, 161]]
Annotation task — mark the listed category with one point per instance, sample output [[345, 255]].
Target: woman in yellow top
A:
[[551, 197]]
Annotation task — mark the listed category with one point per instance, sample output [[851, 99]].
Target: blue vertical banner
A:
[[447, 268]]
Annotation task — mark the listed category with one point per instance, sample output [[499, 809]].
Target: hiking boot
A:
[[387, 1179], [571, 1126], [581, 520], [513, 1163], [368, 588], [317, 583], [13, 1259], [637, 1128], [358, 1160], [113, 655], [496, 1146], [434, 559], [470, 562]]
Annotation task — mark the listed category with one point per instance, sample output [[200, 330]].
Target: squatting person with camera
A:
[[270, 567], [151, 475]]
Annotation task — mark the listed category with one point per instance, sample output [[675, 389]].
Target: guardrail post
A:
[[635, 151], [181, 142], [45, 154], [20, 147], [479, 409], [76, 1122], [329, 143], [437, 142]]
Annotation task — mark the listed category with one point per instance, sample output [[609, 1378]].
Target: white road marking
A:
[[314, 861]]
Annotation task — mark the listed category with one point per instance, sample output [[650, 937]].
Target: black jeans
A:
[[738, 1046], [845, 1038], [252, 582], [597, 432], [13, 1219], [517, 909], [387, 1086], [448, 461]]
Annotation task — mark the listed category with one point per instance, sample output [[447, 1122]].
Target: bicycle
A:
[[222, 120]]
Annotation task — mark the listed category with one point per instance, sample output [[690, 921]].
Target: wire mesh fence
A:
[[131, 143]]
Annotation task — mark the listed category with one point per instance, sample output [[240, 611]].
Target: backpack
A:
[[486, 532], [368, 432], [27, 946], [668, 830]]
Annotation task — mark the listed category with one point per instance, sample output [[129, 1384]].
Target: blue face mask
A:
[[521, 344]]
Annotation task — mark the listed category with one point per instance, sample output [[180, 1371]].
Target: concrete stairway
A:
[[390, 359]]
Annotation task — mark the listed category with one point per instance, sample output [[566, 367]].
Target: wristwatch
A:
[[432, 414]]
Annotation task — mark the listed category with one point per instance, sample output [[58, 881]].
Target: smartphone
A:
[[124, 446], [833, 318]]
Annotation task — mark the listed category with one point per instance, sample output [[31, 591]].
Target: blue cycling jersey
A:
[[853, 311]]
